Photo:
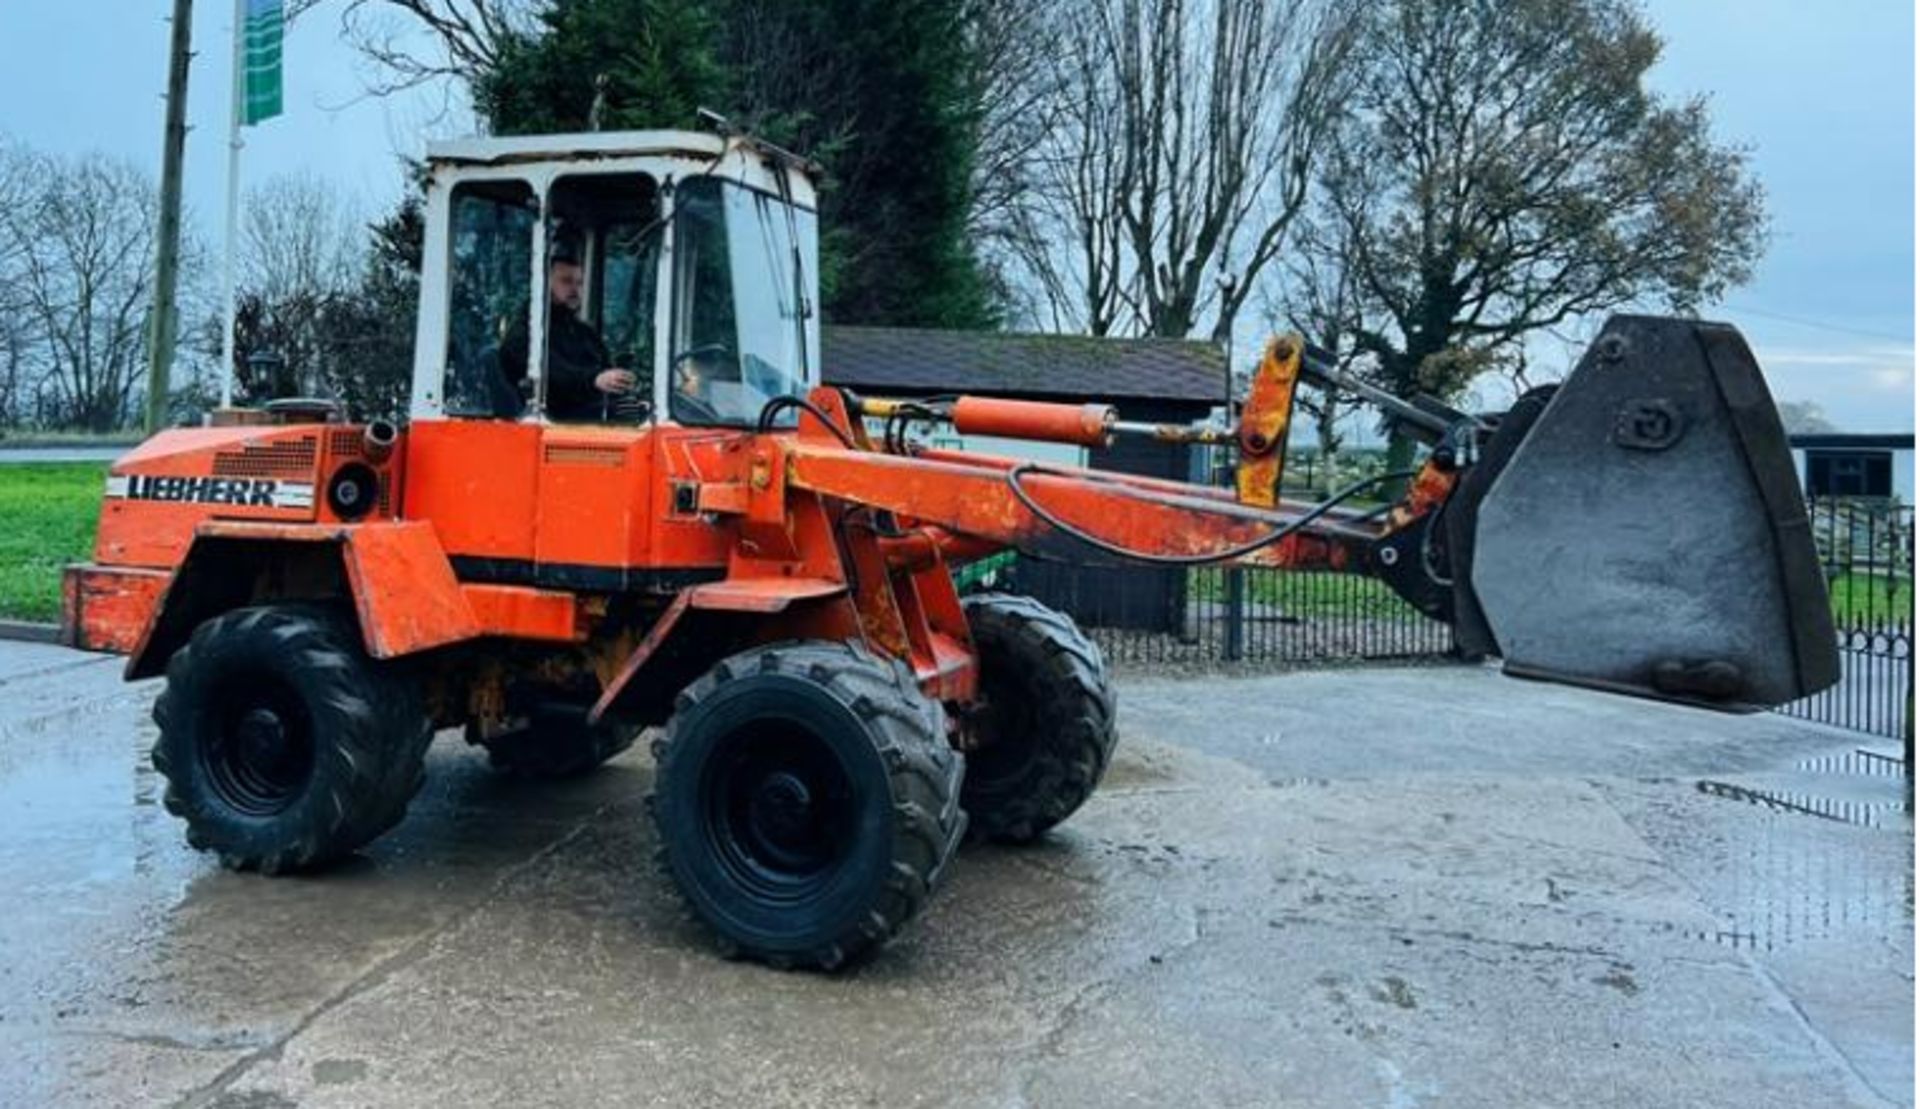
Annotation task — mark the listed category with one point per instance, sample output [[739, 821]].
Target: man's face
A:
[[563, 284]]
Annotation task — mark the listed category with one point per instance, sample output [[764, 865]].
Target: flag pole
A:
[[233, 200]]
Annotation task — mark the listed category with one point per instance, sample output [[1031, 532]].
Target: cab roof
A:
[[740, 157], [493, 150]]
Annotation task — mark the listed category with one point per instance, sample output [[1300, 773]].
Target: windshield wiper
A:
[[801, 309]]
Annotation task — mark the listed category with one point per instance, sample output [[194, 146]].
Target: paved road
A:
[[13, 455], [1392, 887]]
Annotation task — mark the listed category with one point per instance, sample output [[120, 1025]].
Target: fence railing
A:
[[1211, 615], [1263, 617], [1866, 551]]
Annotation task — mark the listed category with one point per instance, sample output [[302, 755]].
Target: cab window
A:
[[609, 226], [744, 328], [491, 240]]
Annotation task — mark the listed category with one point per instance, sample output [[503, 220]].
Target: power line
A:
[[1819, 324]]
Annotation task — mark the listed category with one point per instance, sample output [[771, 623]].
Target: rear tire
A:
[[283, 745], [557, 742], [1040, 733], [807, 801]]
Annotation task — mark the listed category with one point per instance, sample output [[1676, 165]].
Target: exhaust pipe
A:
[[376, 444]]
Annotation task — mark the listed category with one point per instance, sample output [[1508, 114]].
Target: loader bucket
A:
[[1647, 534]]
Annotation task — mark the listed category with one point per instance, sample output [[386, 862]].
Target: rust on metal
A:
[[105, 608], [1264, 421]]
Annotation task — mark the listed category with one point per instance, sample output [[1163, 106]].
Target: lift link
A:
[[1263, 424]]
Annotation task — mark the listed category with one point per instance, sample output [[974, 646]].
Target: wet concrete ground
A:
[[16, 455], [1392, 887]]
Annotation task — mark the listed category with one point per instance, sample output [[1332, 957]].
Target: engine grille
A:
[[284, 458], [580, 454]]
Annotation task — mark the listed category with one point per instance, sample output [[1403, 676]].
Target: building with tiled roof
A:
[[921, 362], [1156, 380]]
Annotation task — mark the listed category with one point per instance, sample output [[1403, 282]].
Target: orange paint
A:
[[607, 536], [1264, 421], [105, 608], [1088, 425], [522, 613], [403, 587], [762, 595]]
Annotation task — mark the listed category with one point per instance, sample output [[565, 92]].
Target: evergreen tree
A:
[[878, 91], [882, 93], [653, 62]]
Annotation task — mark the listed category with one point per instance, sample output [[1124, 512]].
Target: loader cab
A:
[[697, 263]]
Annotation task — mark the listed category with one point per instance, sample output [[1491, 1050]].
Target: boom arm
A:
[[983, 503], [1641, 531]]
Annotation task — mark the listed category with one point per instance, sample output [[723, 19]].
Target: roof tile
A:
[[919, 361]]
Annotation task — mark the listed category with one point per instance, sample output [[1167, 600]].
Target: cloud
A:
[[1893, 379], [1875, 357], [1836, 376]]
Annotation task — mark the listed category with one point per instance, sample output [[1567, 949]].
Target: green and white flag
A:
[[259, 89]]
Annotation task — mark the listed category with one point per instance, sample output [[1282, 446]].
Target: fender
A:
[[793, 608], [398, 576]]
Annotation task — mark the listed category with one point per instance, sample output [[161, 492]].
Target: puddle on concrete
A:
[[1829, 858], [1863, 814], [1860, 760]]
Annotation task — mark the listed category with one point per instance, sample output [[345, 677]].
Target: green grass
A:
[[1860, 600], [1306, 592], [48, 511]]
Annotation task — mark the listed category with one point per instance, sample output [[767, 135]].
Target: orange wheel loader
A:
[[761, 568]]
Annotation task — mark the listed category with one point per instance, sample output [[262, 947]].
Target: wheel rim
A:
[[777, 809], [260, 756], [1000, 724]]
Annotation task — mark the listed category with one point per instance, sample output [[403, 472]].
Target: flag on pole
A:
[[260, 61]]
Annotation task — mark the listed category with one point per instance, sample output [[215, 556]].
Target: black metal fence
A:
[[1210, 615], [1260, 617], [1866, 551]]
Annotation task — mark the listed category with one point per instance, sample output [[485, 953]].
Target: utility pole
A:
[[229, 365], [163, 321]]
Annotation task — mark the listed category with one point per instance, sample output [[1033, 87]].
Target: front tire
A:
[[283, 745], [807, 801], [1040, 732]]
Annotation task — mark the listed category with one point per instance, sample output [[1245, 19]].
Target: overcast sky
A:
[[1823, 93]]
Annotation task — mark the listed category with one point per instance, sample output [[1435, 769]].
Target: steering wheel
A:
[[718, 352], [691, 406]]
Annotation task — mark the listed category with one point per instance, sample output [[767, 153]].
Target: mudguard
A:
[[1648, 534], [402, 586]]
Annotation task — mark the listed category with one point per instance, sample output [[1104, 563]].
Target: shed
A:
[[1157, 380], [1844, 464]]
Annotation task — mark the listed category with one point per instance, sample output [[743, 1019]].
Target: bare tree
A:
[[81, 239], [1804, 417], [1186, 131], [302, 261], [299, 236], [1017, 106], [1323, 302], [16, 324], [1499, 170], [416, 42]]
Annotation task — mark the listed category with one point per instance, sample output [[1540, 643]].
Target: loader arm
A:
[[1641, 531], [1011, 504]]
